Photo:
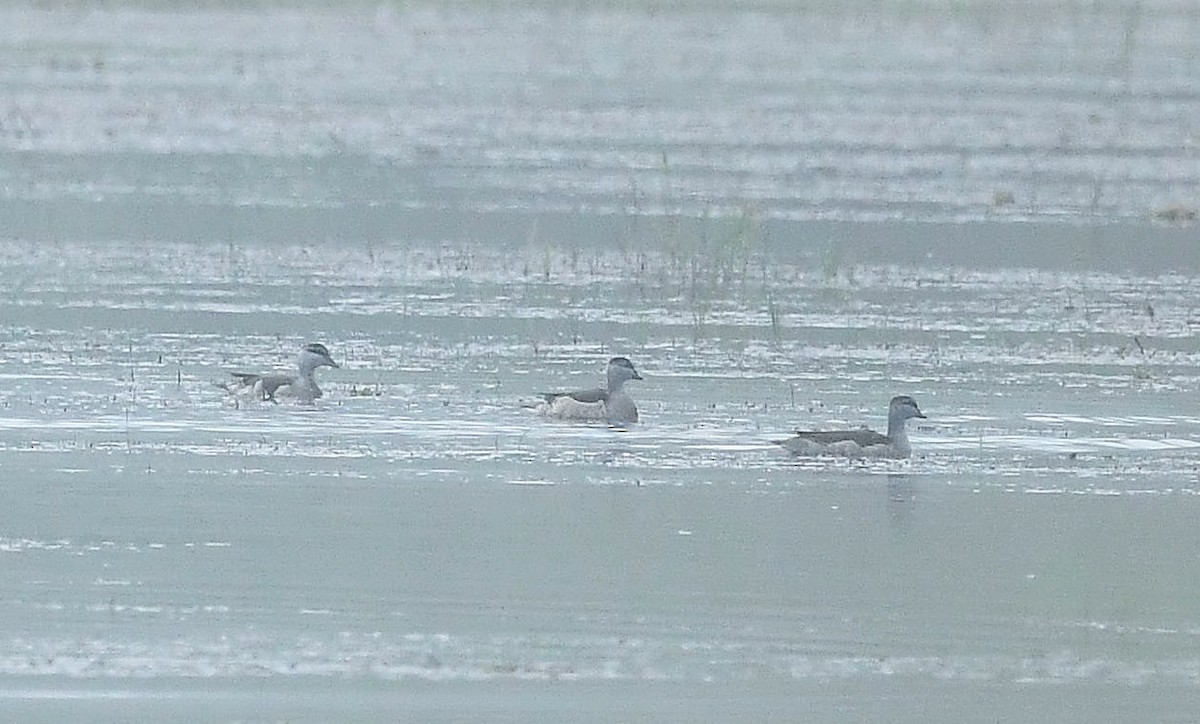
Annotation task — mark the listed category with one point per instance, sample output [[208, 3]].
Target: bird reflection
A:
[[902, 499]]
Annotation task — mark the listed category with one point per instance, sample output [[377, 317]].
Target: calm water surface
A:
[[472, 206]]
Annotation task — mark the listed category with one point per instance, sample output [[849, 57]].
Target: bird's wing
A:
[[271, 383], [863, 438], [584, 396], [267, 384], [245, 378]]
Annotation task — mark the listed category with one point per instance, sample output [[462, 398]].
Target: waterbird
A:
[[863, 442], [302, 386], [610, 403]]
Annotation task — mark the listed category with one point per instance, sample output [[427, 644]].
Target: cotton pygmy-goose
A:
[[301, 386], [610, 403], [864, 442]]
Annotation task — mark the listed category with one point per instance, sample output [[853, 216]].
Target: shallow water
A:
[[186, 194]]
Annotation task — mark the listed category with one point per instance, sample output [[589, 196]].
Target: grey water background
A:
[[784, 214]]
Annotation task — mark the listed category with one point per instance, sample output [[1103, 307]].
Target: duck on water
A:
[[864, 442], [611, 403], [301, 386]]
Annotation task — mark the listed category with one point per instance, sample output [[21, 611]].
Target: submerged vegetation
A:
[[705, 264]]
